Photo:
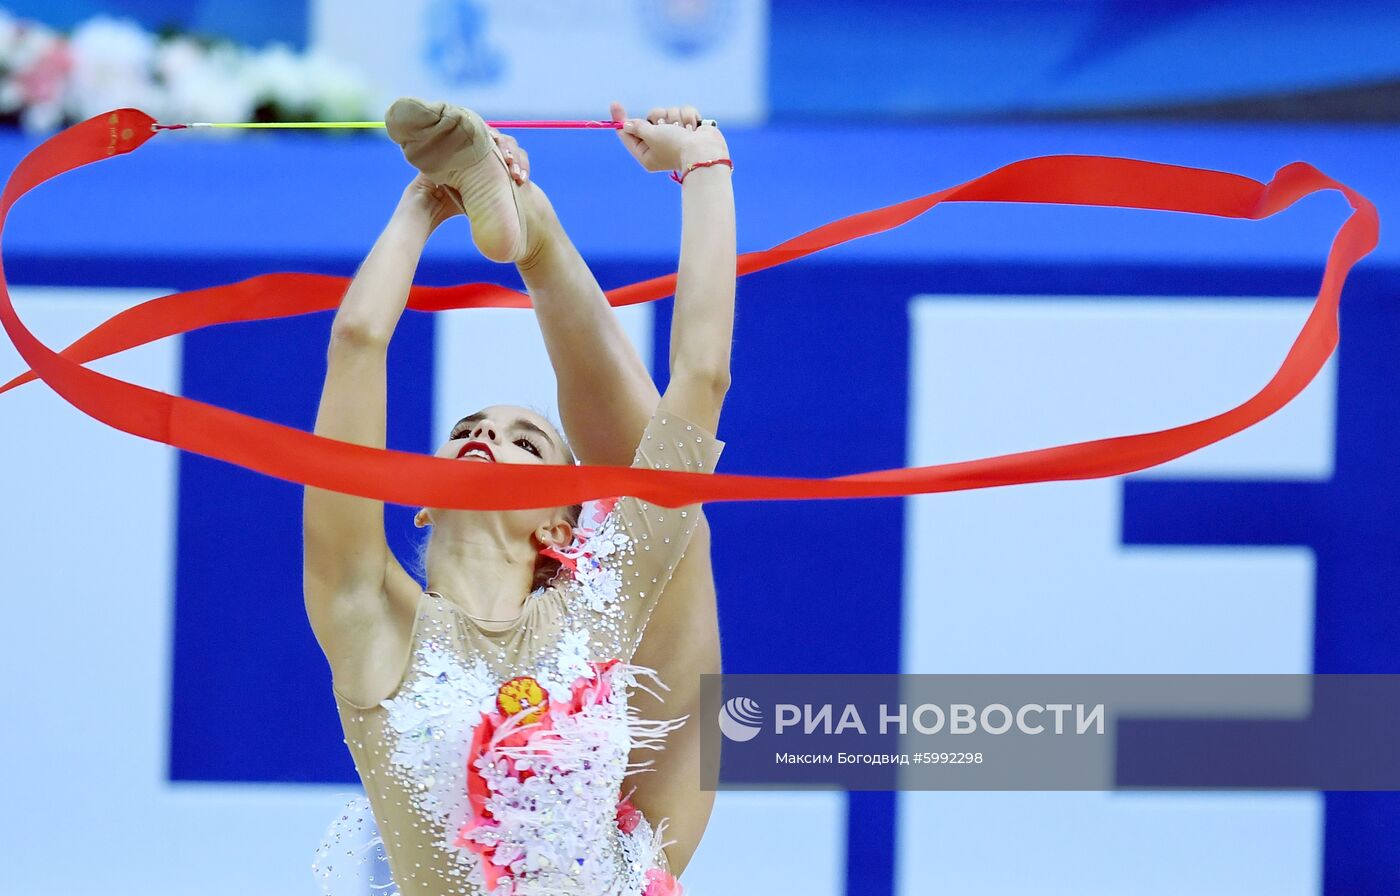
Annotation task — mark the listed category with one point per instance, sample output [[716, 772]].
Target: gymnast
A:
[[524, 725]]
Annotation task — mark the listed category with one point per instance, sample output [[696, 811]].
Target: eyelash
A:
[[528, 446]]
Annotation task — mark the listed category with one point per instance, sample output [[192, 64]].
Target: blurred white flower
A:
[[38, 75], [42, 118], [275, 75], [47, 80], [338, 94], [33, 65], [177, 58], [112, 68], [117, 46], [203, 85]]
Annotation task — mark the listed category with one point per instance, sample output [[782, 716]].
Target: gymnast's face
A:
[[505, 434]]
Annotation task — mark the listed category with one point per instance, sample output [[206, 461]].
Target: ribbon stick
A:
[[421, 480], [543, 124]]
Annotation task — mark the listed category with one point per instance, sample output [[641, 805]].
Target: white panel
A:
[[88, 553], [557, 58], [772, 843], [1034, 579], [1097, 844], [497, 356], [1040, 373]]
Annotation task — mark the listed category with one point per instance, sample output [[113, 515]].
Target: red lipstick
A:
[[479, 446]]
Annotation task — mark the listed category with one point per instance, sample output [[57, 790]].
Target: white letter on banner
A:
[[919, 717], [787, 716], [850, 718], [1095, 718], [886, 718], [1005, 714]]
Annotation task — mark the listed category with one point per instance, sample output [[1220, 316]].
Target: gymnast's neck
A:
[[484, 570]]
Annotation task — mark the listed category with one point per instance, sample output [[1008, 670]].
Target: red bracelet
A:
[[679, 176]]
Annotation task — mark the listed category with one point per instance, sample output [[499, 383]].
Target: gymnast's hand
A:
[[517, 160], [668, 139], [428, 204]]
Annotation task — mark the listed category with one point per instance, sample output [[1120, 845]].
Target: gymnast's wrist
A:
[[707, 152], [705, 145]]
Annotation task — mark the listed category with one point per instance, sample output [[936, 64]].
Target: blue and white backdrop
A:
[[556, 58], [170, 727]]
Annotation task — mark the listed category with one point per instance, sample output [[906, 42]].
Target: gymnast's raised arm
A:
[[352, 582], [702, 324]]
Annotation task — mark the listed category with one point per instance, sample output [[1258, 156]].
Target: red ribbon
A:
[[421, 480]]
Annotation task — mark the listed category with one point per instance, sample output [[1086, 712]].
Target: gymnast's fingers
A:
[[656, 115], [510, 149], [628, 133], [619, 114], [690, 117]]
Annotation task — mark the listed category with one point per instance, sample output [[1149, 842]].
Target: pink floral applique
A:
[[659, 883], [628, 816], [499, 729], [569, 556]]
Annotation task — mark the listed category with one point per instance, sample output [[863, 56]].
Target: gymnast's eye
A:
[[529, 446]]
